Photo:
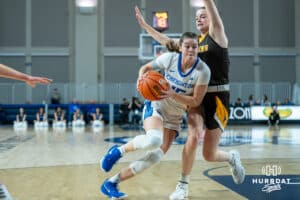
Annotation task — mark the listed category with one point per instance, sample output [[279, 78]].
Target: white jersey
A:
[[183, 83]]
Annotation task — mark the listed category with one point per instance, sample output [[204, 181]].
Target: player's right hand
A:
[[140, 17]]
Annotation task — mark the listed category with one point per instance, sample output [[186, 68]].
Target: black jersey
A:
[[216, 58]]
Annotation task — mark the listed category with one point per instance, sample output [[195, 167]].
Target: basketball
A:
[[151, 84]]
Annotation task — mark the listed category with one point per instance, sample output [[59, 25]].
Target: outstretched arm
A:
[[161, 38], [8, 72], [216, 27]]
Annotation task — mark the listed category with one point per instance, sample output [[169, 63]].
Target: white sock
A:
[[122, 149], [184, 178], [115, 178], [230, 161]]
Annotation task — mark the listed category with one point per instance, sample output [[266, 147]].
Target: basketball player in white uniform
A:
[[188, 77]]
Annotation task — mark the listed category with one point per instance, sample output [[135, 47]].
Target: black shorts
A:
[[215, 109]]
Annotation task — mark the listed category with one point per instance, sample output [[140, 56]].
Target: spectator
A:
[[90, 110], [55, 96], [251, 100], [78, 118], [59, 118], [287, 102], [278, 103], [41, 119], [41, 116], [274, 117], [97, 118], [135, 108], [59, 115], [124, 111], [266, 101], [238, 103], [20, 121], [257, 102], [21, 116]]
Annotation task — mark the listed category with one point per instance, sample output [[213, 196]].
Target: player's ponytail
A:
[[172, 46]]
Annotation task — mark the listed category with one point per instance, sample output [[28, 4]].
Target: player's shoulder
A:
[[202, 65], [166, 58], [203, 68], [169, 55]]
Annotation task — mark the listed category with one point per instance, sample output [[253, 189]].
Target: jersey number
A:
[[178, 90]]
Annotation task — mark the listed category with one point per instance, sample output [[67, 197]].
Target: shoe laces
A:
[[181, 186], [235, 161], [114, 188]]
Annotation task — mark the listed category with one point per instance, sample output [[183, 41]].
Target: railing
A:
[[19, 93], [274, 91], [296, 94]]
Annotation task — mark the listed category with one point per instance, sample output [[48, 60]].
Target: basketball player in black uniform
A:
[[213, 49], [7, 72]]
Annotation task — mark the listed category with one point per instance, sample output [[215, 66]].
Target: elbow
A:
[[194, 103]]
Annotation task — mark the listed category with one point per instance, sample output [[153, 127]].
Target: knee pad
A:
[[150, 159], [152, 139]]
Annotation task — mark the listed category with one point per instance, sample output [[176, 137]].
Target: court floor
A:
[[59, 164]]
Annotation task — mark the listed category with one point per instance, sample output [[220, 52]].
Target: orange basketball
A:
[[151, 84]]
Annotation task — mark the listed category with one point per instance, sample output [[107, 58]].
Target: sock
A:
[[230, 161], [122, 149], [115, 178], [184, 178]]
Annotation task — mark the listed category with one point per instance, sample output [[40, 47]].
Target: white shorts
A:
[[156, 108]]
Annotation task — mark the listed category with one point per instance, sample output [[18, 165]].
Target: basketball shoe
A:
[[4, 194], [111, 157], [181, 192], [111, 190], [237, 170]]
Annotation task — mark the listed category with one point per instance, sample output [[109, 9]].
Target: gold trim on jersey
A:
[[221, 115], [201, 38], [202, 48]]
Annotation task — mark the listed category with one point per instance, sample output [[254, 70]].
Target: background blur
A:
[[92, 55]]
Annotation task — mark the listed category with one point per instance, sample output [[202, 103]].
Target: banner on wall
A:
[[240, 113], [285, 112]]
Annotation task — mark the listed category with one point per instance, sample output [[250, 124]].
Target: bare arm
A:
[[190, 101], [145, 68], [161, 38], [45, 117], [55, 116], [216, 27], [8, 72]]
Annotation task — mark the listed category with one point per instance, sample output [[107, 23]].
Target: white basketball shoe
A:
[[4, 194], [237, 170], [181, 192]]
